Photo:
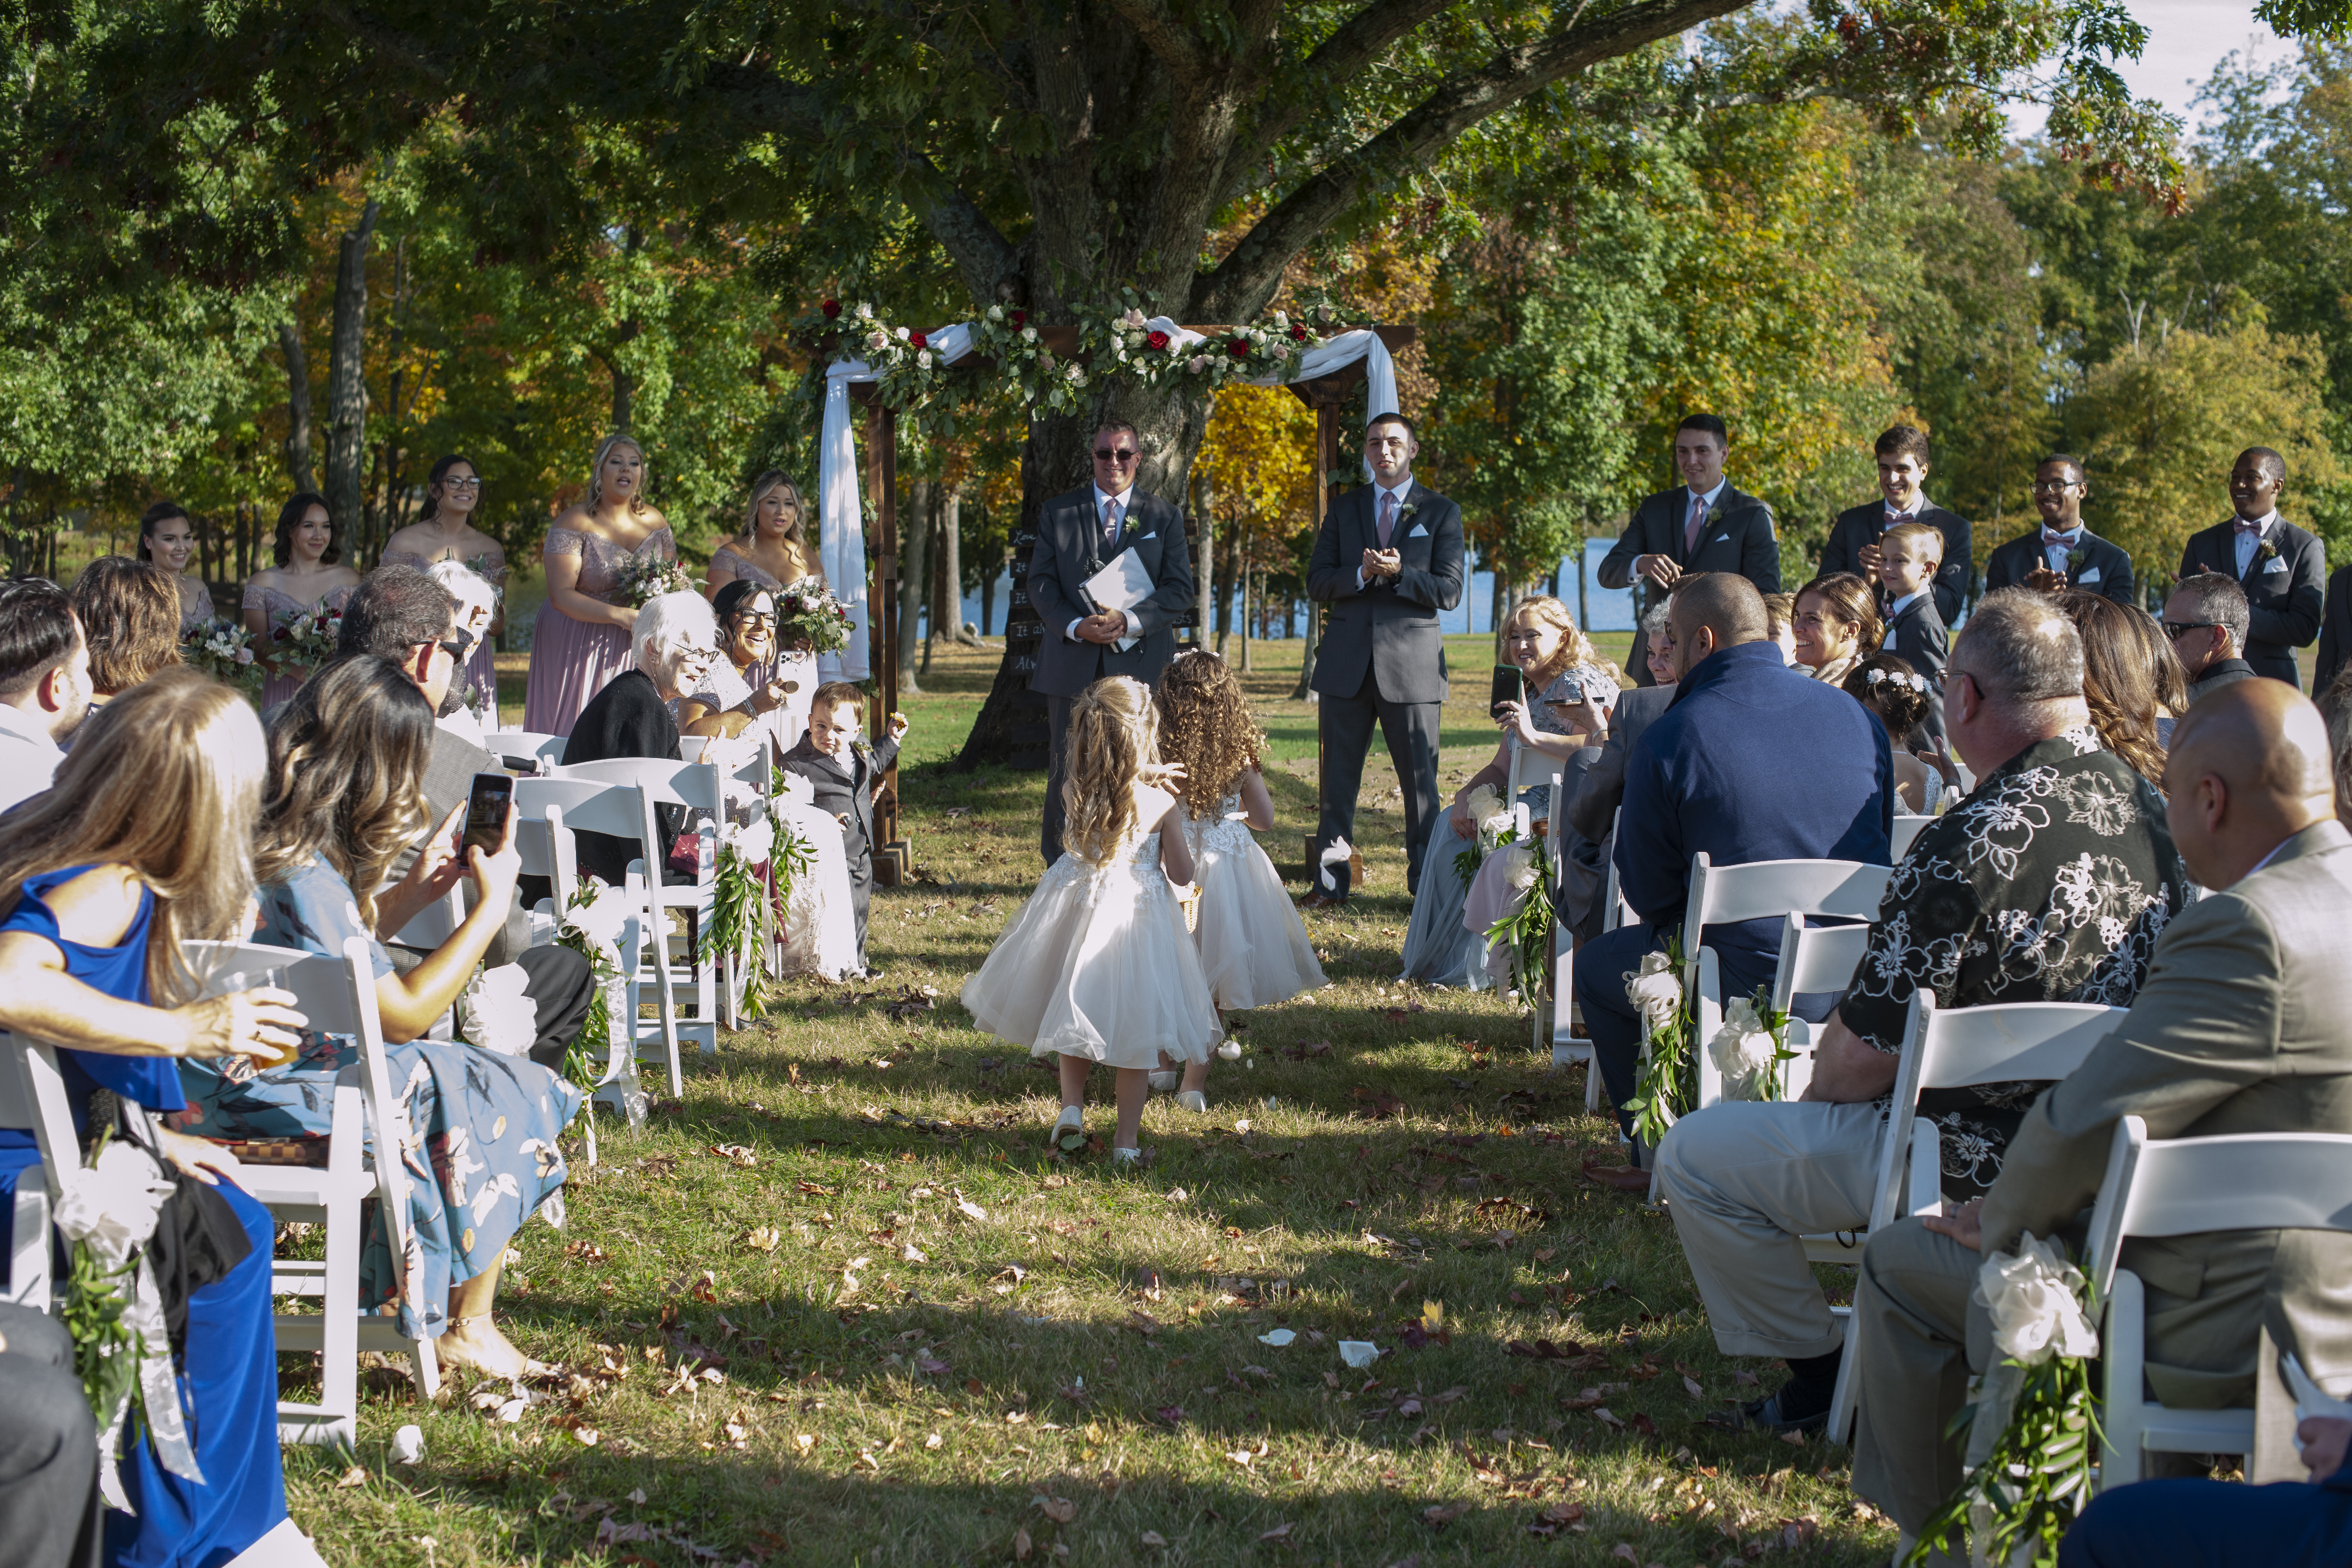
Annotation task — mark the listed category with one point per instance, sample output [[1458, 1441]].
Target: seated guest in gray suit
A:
[[1707, 523], [2282, 568], [1078, 534], [2244, 1024], [1388, 561], [1858, 535], [2060, 842], [2205, 620]]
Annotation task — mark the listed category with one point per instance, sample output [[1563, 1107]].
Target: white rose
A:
[[900, 334], [1655, 990], [112, 1204], [2035, 1298], [754, 843], [1134, 318], [1197, 364], [1520, 867], [1483, 801], [1076, 374], [601, 921], [923, 358], [796, 791], [996, 313], [499, 1017], [1028, 334], [1743, 1048], [865, 312], [1498, 823], [876, 339]]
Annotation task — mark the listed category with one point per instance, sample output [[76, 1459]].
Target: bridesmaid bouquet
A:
[[223, 649], [809, 616], [644, 578], [307, 638]]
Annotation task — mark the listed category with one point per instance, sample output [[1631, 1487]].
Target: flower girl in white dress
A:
[[1253, 948], [1097, 966]]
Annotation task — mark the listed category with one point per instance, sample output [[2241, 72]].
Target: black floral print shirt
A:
[[2050, 883]]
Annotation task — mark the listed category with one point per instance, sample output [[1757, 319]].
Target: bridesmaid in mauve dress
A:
[[581, 640], [774, 551], [306, 575], [166, 538], [444, 531]]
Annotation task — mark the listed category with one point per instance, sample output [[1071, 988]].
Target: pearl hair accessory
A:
[[1915, 681]]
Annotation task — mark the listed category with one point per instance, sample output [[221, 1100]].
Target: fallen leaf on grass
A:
[[1241, 1456], [736, 1153], [969, 1209], [354, 1476], [1600, 1414], [803, 1442], [1173, 1415], [766, 1239], [1279, 1532], [1061, 1510], [913, 1255], [1549, 1522], [1443, 1514], [1021, 1546], [1377, 1104], [1643, 1425], [929, 1366], [1697, 1391], [1153, 1538]]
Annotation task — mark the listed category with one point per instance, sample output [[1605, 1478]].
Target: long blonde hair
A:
[[1575, 647], [1113, 742], [166, 779], [347, 762], [1205, 728], [797, 535], [596, 471]]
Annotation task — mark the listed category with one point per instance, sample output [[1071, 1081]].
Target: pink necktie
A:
[[1111, 523], [1697, 522], [1388, 516]]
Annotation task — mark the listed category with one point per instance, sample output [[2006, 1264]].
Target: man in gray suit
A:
[[1078, 533], [2244, 1024], [1388, 561]]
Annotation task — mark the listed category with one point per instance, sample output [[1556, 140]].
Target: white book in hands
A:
[[1122, 585]]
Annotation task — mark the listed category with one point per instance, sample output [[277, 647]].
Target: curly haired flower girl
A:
[[1097, 966]]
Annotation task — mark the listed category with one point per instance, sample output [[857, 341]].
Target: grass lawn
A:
[[837, 1306]]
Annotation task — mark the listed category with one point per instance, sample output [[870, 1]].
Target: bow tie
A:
[[2047, 539], [2245, 526]]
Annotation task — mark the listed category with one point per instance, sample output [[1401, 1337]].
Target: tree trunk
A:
[[1205, 573], [951, 567], [1244, 576], [298, 408], [1305, 691], [346, 385], [914, 537], [389, 517], [1010, 728], [987, 601]]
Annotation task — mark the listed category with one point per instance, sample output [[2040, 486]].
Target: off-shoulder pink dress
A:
[[798, 670], [277, 608], [481, 671], [571, 660]]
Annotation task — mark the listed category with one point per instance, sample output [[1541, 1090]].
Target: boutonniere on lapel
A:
[[2265, 550], [1715, 514], [1406, 515], [1128, 524], [2074, 559]]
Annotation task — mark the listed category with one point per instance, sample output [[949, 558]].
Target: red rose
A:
[[918, 341], [1020, 320], [1157, 340], [831, 309], [1238, 348], [1297, 334]]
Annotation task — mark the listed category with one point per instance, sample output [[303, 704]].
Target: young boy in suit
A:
[[842, 770], [1909, 555]]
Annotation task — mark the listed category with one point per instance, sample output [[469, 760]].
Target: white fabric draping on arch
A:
[[842, 543]]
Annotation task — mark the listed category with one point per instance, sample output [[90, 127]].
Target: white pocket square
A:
[[1418, 532], [1153, 534], [2275, 563], [1723, 539], [2090, 577]]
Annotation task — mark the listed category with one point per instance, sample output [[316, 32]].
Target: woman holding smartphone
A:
[[344, 797], [1575, 689]]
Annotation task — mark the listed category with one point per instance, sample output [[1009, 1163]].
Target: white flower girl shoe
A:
[[1072, 1119]]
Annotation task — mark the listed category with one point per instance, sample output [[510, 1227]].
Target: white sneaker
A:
[[1072, 1119], [1194, 1100]]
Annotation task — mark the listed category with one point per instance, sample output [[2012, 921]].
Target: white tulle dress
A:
[[819, 931], [1253, 948], [1098, 963]]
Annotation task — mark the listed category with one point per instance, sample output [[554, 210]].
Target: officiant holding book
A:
[[1080, 572]]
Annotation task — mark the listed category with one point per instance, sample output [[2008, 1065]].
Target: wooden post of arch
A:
[[894, 856]]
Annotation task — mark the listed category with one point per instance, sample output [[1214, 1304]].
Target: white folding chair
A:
[[1950, 1048], [549, 811], [1813, 959], [694, 786], [1907, 828], [368, 1130], [526, 743], [29, 1282], [757, 771], [2190, 1187]]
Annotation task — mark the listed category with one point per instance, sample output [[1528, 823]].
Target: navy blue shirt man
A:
[[1751, 762]]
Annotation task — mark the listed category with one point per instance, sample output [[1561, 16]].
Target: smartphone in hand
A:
[[1510, 686], [485, 815]]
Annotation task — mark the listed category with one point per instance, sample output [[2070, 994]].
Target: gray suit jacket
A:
[[1593, 808], [2243, 1026], [1387, 627], [1069, 551]]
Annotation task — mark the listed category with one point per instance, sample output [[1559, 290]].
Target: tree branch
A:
[[1239, 285], [1361, 39], [1168, 40]]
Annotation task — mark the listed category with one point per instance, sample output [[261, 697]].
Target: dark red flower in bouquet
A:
[[1237, 347], [1020, 320], [1297, 334], [918, 341], [1157, 340], [280, 634], [831, 309], [791, 605]]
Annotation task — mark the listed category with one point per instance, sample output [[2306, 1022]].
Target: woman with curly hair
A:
[[1098, 967], [130, 611], [1576, 690], [1253, 948], [2124, 660], [1898, 697], [1836, 623]]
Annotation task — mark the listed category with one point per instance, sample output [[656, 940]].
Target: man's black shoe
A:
[[1764, 1414]]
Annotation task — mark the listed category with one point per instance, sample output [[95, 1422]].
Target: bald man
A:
[[2244, 1024], [1752, 761]]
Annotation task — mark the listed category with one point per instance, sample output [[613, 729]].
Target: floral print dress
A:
[[2051, 882]]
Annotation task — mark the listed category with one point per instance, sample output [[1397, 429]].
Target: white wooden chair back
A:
[[697, 788], [1761, 889], [33, 1097], [2190, 1187], [520, 743], [1908, 829]]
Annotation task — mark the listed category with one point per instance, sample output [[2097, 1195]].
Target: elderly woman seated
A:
[[1576, 689], [675, 641]]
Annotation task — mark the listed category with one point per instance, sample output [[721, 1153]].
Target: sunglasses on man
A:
[[2175, 630], [1116, 454]]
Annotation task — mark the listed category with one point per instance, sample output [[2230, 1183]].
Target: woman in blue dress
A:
[[1560, 665], [344, 797], [143, 842]]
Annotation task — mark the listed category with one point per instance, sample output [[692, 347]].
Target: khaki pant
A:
[[1916, 1343], [1745, 1182]]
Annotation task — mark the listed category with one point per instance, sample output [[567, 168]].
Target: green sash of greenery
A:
[[1668, 1086]]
